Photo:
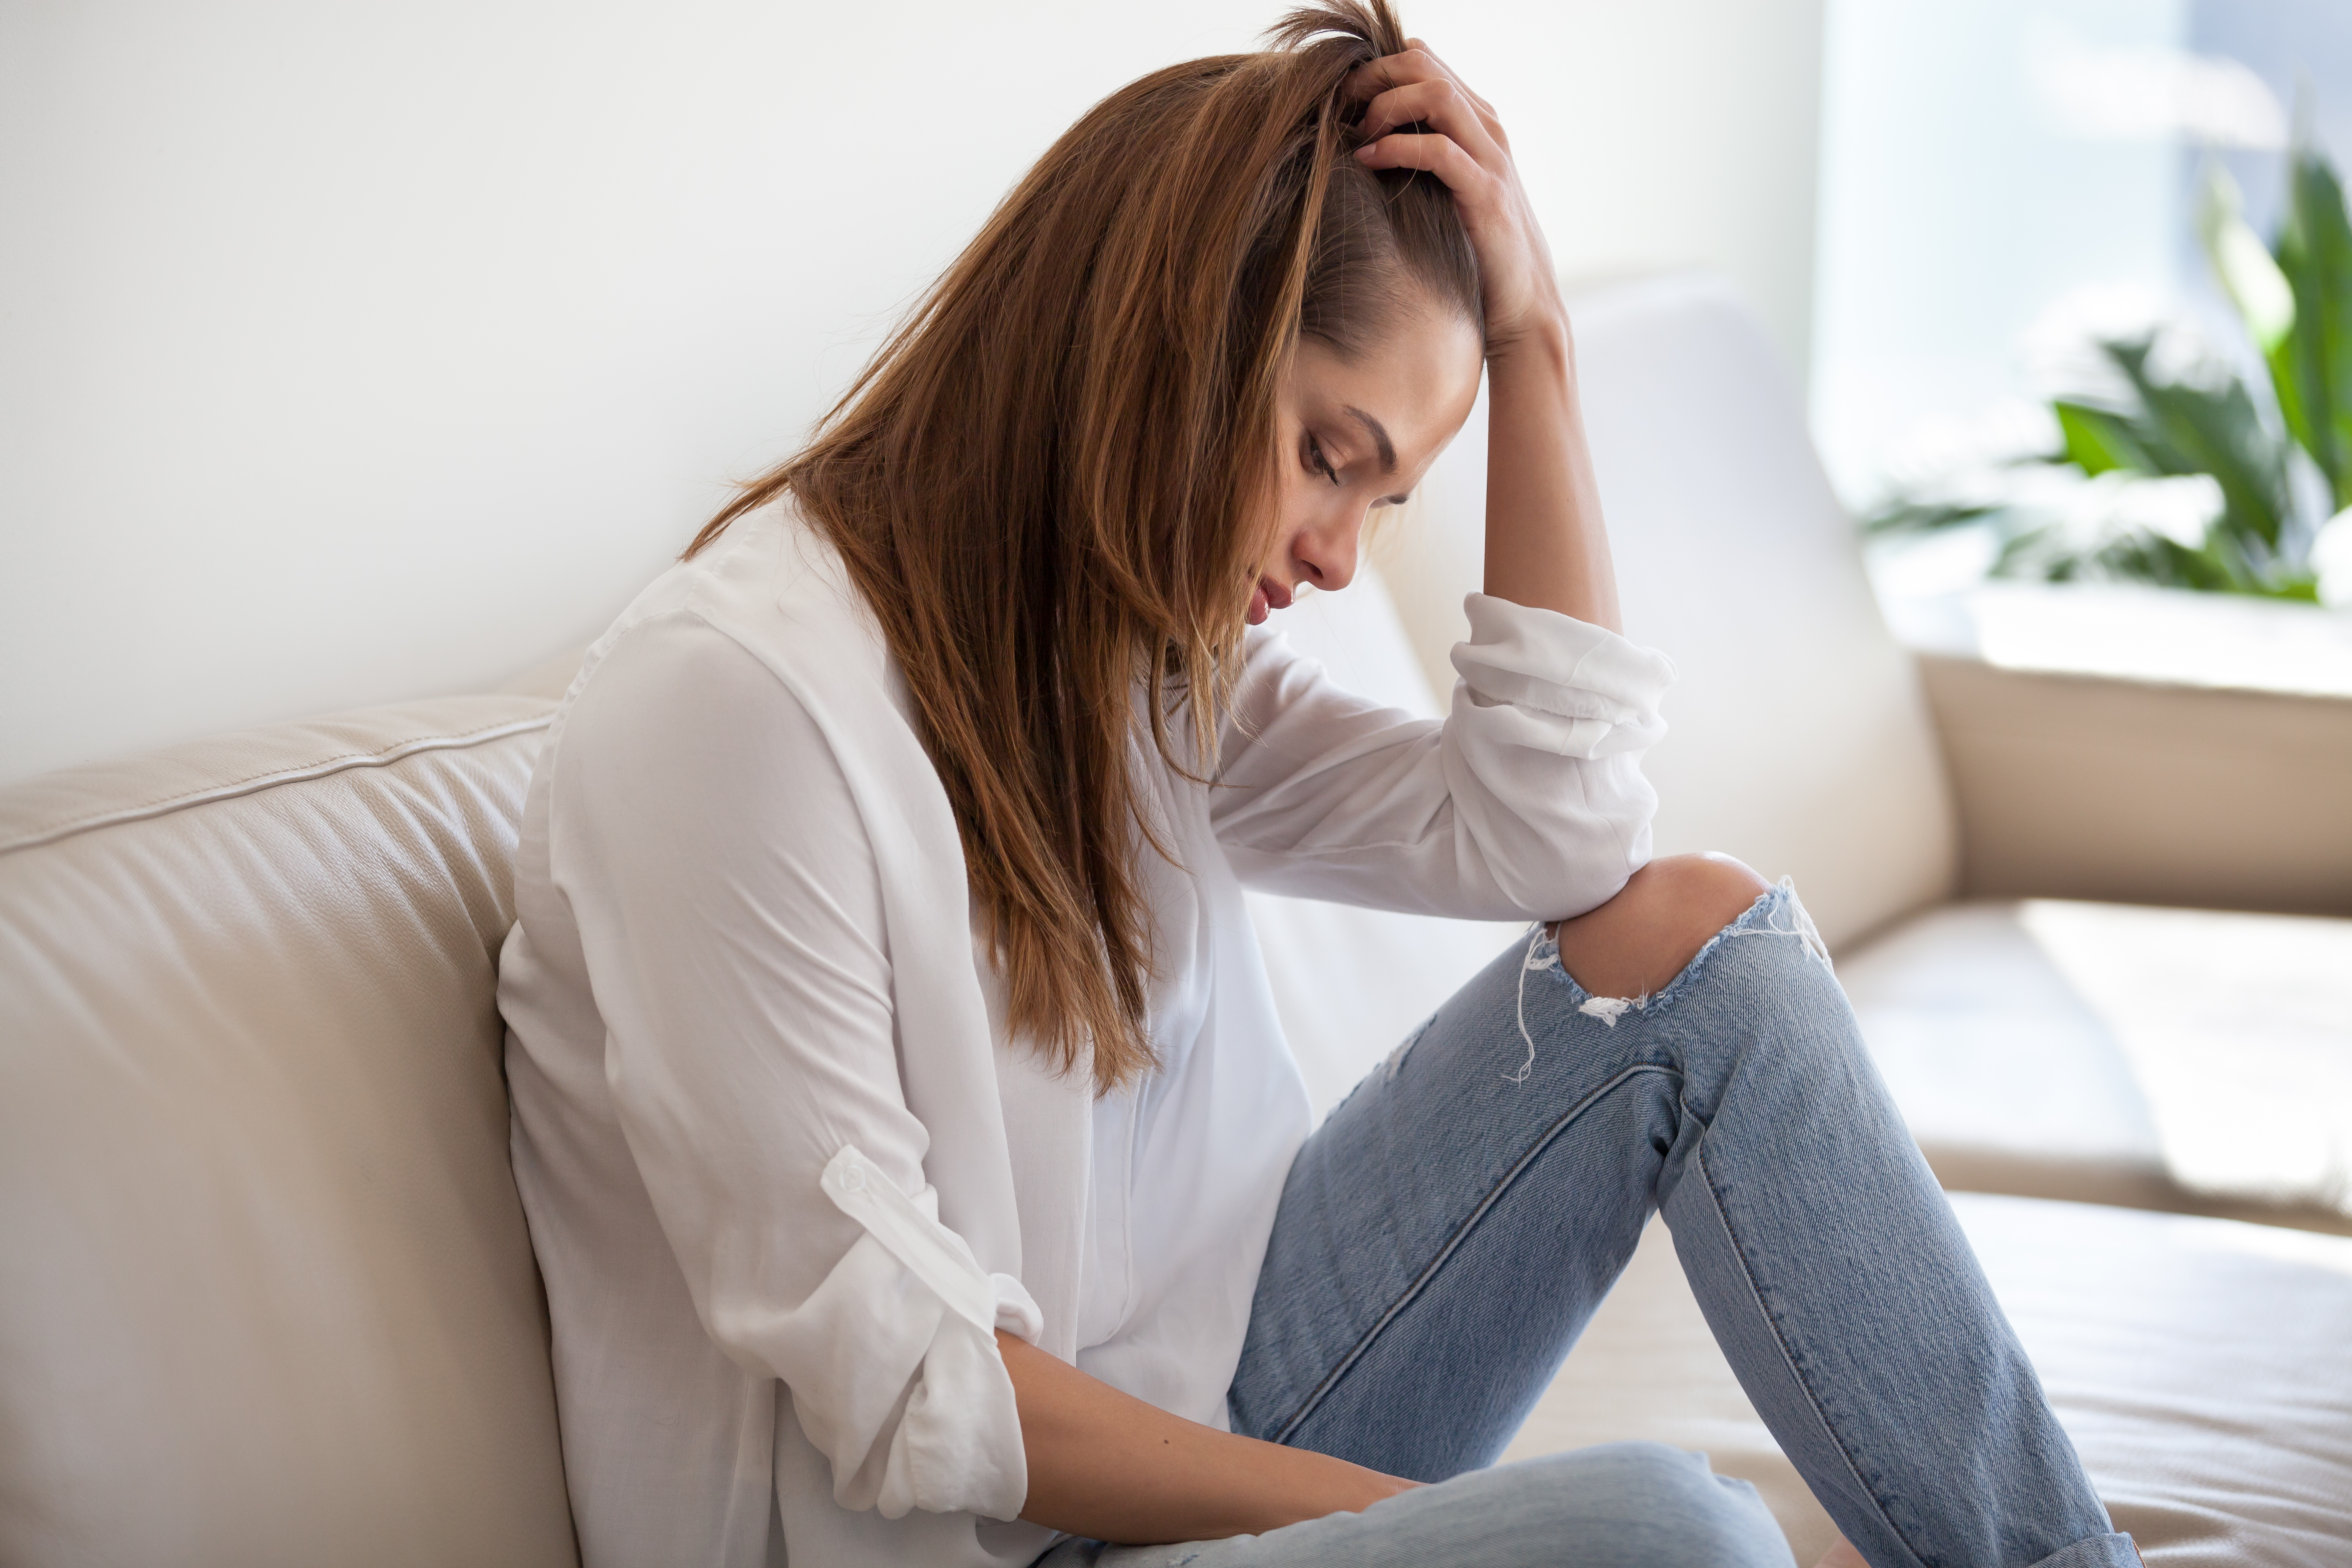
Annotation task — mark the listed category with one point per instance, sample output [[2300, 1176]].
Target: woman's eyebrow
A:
[[1379, 438]]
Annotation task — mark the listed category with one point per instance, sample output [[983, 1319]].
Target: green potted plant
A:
[[2169, 469]]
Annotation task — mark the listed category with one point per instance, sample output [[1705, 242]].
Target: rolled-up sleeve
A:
[[730, 911], [1526, 802]]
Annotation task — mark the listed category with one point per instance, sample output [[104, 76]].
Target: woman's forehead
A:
[[1409, 389]]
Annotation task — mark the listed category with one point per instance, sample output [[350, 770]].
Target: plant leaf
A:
[[2264, 299], [1905, 515], [2189, 429], [2098, 441], [2312, 365]]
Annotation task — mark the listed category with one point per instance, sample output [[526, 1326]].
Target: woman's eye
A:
[[1322, 464]]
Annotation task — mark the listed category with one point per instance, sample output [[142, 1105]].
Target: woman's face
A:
[[1357, 434]]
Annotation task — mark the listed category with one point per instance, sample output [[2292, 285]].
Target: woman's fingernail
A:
[[1366, 151]]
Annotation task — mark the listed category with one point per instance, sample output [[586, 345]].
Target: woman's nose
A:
[[1326, 553]]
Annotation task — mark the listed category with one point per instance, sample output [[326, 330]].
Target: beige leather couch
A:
[[268, 1297]]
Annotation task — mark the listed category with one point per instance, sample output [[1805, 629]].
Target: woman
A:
[[910, 1151]]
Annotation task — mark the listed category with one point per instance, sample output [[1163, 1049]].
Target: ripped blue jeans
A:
[[1444, 1236]]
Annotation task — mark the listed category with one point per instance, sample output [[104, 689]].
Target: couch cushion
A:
[[266, 1295], [1797, 737], [2180, 1059], [2199, 1365]]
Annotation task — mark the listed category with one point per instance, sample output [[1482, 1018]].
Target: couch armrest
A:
[[2087, 786]]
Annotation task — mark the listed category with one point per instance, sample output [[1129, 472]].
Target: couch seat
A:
[[2180, 1059], [2200, 1364]]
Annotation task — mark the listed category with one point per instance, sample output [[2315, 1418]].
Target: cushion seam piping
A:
[[257, 782]]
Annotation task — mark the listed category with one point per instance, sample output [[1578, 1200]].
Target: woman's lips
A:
[[1269, 596]]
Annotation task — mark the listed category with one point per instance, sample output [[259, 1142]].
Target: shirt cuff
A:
[[1555, 664], [957, 1443]]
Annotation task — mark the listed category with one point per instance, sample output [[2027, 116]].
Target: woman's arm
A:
[[1545, 547], [1107, 1466], [1528, 803], [707, 842]]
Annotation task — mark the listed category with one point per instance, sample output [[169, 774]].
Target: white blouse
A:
[[787, 1173]]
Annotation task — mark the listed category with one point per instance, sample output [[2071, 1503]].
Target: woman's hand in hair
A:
[[1546, 546], [1461, 142]]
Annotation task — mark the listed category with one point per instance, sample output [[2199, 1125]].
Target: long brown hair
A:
[[1053, 484]]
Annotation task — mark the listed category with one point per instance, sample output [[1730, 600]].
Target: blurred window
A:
[[1996, 174]]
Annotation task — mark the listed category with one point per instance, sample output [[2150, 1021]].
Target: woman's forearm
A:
[[1109, 1467], [1545, 547]]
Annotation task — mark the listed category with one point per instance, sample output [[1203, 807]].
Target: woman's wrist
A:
[[1300, 1484], [1105, 1464], [1541, 341]]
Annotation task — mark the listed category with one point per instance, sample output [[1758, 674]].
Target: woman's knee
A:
[[1701, 1517], [1657, 1506], [1637, 942]]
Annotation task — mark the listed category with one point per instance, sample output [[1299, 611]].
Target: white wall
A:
[[350, 353]]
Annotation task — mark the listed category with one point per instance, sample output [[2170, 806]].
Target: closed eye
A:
[[1318, 461]]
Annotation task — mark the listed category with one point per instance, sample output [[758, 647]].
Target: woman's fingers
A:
[[1485, 108], [1439, 155], [1417, 69], [1442, 106], [1453, 134]]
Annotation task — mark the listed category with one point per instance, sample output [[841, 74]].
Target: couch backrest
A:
[[265, 1292], [1798, 739]]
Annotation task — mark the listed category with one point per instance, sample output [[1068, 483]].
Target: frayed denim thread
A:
[[1759, 918]]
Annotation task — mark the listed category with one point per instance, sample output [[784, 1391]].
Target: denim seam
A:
[[1772, 1326], [1406, 1297], [2089, 1552]]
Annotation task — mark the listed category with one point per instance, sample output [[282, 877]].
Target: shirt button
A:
[[853, 1179]]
